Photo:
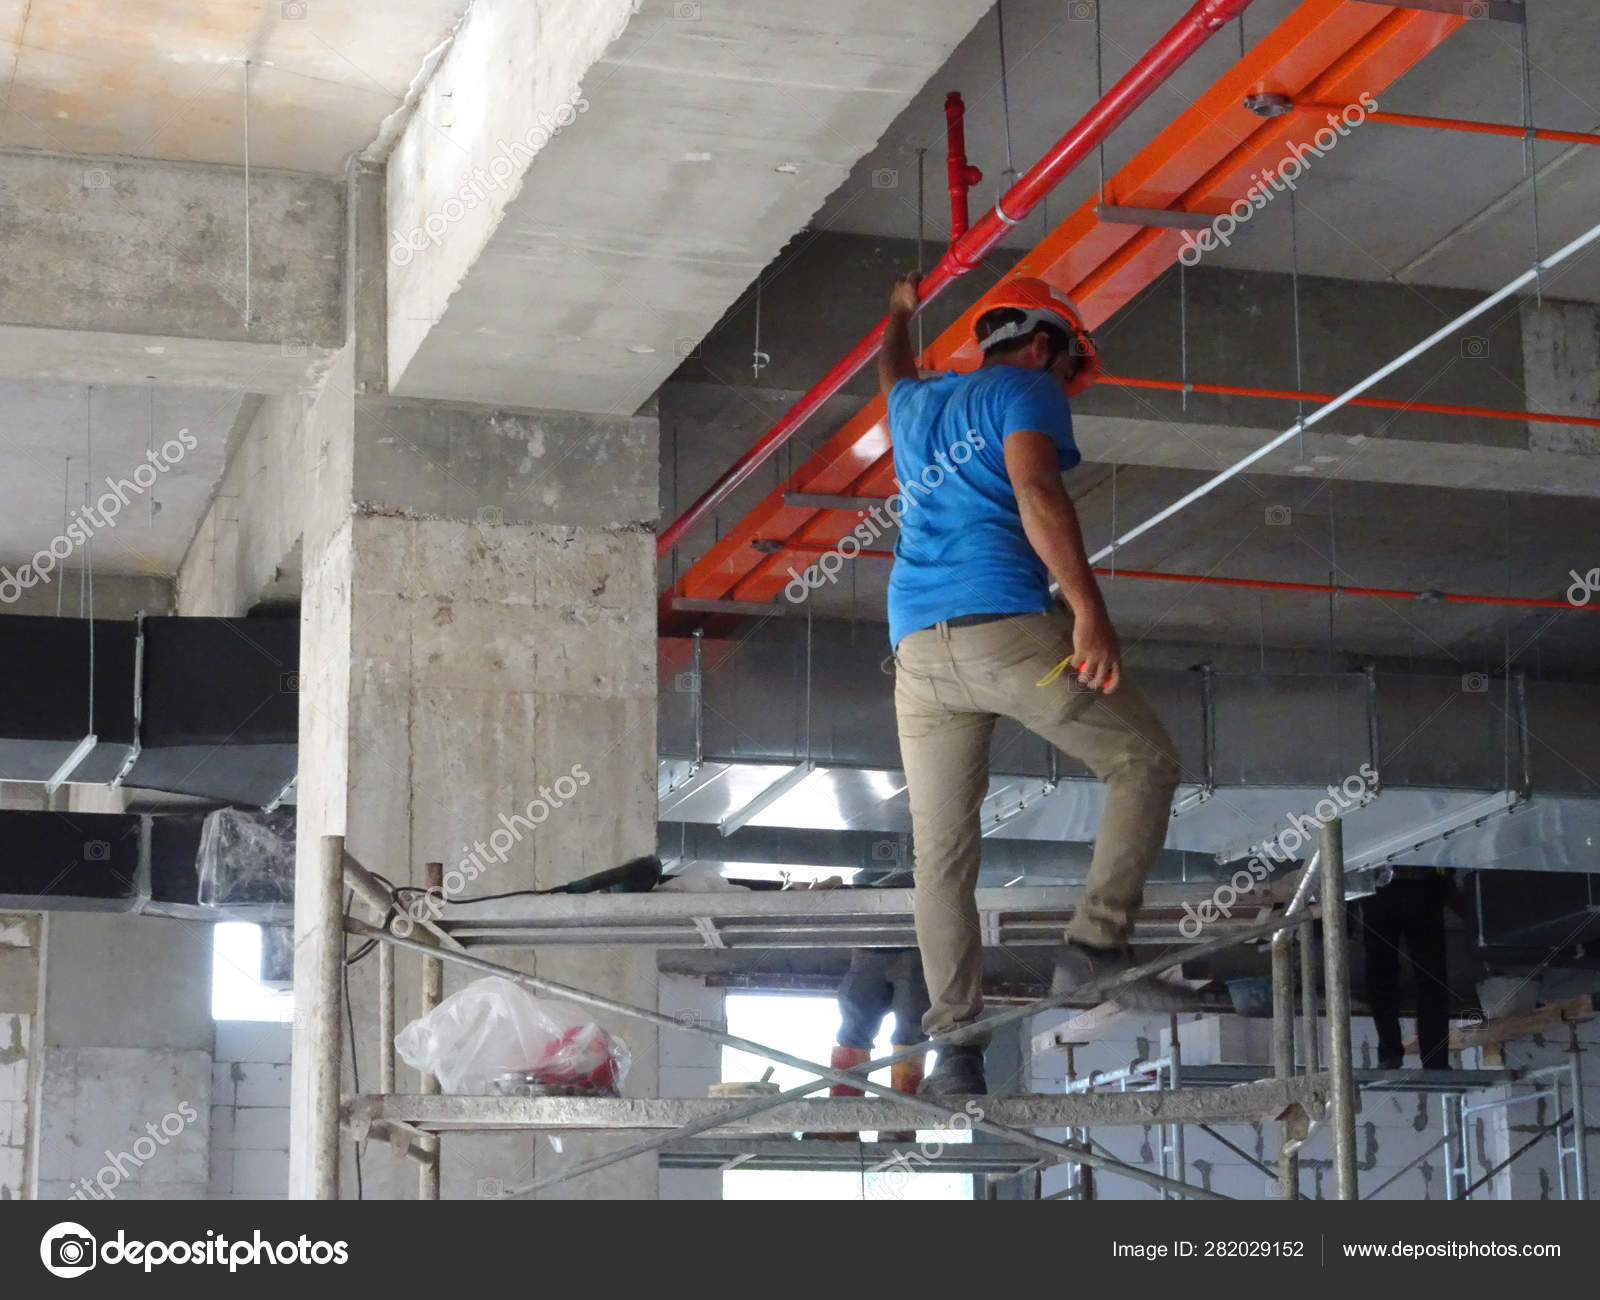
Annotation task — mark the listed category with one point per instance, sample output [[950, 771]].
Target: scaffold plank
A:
[[1261, 1100]]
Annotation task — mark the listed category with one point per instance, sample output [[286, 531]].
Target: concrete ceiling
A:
[[45, 423], [165, 78], [1390, 201]]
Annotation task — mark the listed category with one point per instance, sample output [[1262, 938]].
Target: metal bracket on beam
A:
[[138, 701], [708, 932], [1439, 828], [1170, 218], [71, 763], [785, 783], [279, 799], [743, 608], [828, 501], [1498, 10]]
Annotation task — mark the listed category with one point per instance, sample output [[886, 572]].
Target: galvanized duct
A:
[[794, 728]]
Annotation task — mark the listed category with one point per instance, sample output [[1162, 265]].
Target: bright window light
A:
[[808, 1026], [237, 992]]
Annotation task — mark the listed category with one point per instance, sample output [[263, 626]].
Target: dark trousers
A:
[[1409, 911], [880, 980]]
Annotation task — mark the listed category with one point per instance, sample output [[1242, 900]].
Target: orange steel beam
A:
[[1326, 50]]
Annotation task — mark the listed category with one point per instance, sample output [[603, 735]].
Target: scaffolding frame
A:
[[413, 1126], [1551, 1083]]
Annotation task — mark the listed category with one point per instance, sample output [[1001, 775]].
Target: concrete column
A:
[[477, 678], [477, 688]]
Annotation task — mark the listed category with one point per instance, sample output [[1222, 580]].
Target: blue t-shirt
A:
[[962, 548]]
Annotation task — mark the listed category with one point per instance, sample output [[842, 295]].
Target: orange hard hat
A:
[[1041, 304]]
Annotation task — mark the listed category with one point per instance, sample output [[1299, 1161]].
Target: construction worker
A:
[[985, 524], [881, 980], [1410, 907]]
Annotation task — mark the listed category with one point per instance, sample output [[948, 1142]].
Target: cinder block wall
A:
[[250, 1112], [1533, 1176], [690, 1064], [1392, 1129], [21, 938]]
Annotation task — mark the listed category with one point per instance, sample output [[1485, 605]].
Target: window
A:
[[237, 992], [806, 1026]]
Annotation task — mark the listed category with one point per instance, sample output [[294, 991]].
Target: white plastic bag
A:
[[494, 1026]]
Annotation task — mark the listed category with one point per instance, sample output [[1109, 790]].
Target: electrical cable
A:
[[350, 1022]]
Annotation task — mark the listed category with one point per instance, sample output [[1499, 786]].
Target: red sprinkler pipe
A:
[[1458, 124], [1265, 584], [962, 175], [1141, 81], [1383, 403]]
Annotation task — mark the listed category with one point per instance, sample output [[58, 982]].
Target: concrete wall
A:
[[246, 547], [127, 1044], [21, 983], [250, 1112]]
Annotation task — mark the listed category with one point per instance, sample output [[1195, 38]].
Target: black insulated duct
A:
[[197, 706]]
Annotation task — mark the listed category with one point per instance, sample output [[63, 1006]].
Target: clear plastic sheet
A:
[[247, 857], [493, 1027]]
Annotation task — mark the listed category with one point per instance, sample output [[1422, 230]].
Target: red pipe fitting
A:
[[963, 176]]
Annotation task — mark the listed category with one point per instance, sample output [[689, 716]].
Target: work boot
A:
[[1077, 965], [958, 1073], [905, 1076], [845, 1058]]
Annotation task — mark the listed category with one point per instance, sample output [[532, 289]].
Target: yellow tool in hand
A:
[[1056, 671]]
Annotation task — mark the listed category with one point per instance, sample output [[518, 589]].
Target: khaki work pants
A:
[[951, 683]]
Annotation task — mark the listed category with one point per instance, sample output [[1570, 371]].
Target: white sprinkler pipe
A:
[[1349, 395]]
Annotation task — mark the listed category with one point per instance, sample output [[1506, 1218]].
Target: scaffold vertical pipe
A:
[[1283, 1057], [1580, 1163], [1310, 1019], [1336, 975], [319, 1024], [386, 1065], [432, 995], [1175, 1077]]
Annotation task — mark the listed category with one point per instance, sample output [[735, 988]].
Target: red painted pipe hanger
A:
[[1385, 403], [1262, 584], [1141, 81]]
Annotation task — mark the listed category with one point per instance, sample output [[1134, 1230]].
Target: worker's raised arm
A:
[[896, 359], [1051, 523]]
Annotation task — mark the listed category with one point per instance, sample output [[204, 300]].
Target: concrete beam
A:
[[661, 154], [1164, 444], [118, 271]]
